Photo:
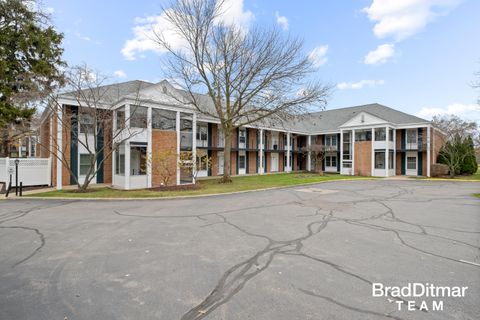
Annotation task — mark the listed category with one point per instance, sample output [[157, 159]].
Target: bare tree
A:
[[92, 126], [247, 76], [164, 165], [453, 126]]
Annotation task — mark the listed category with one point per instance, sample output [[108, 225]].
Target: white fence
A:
[[31, 171]]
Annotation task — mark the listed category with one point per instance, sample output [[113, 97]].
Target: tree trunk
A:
[[226, 157]]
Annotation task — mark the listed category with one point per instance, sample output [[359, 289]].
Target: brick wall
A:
[[363, 158], [398, 164], [252, 138], [43, 149], [54, 148], [214, 163], [107, 151], [268, 160], [281, 156], [252, 162], [214, 134], [66, 150], [164, 141]]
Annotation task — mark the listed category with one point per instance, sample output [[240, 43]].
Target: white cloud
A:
[[381, 54], [282, 21], [318, 56], [83, 37], [404, 18], [360, 84], [146, 28], [233, 13], [120, 74], [465, 111]]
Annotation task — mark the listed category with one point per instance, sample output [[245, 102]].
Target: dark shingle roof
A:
[[333, 119], [111, 93]]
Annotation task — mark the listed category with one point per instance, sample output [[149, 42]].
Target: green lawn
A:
[[209, 186], [476, 195]]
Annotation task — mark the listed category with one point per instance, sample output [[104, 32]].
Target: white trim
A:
[[289, 160], [373, 154], [127, 148], [387, 153], [194, 145], [352, 138], [149, 147], [341, 151], [309, 154], [428, 151], [394, 152], [59, 147], [261, 169], [177, 127]]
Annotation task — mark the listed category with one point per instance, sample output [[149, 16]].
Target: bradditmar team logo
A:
[[413, 296]]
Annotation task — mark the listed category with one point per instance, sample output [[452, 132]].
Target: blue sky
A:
[[418, 56]]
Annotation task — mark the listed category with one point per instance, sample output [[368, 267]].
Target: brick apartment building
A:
[[368, 140]]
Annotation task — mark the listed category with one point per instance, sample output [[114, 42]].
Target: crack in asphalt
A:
[[15, 215], [40, 235], [235, 278], [346, 306]]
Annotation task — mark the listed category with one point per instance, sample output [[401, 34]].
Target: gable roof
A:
[[331, 120], [111, 93]]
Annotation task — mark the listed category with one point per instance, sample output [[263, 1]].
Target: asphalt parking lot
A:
[[309, 252]]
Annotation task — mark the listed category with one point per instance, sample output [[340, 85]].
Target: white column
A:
[[428, 151], [394, 152], [194, 145], [59, 148], [289, 147], [127, 148], [309, 155], [352, 139], [341, 151], [149, 147], [387, 141], [114, 153], [373, 152], [177, 126], [261, 169]]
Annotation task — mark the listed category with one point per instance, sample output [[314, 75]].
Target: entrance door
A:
[[274, 163], [220, 162], [411, 162]]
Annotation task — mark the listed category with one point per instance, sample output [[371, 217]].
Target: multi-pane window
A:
[[390, 159], [330, 161], [390, 134], [86, 161], [120, 118], [186, 131], [86, 122], [202, 162], [331, 140], [120, 160], [379, 159], [411, 136], [138, 116], [241, 162], [138, 160], [411, 163], [242, 138], [380, 134], [347, 145], [163, 119], [363, 135]]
